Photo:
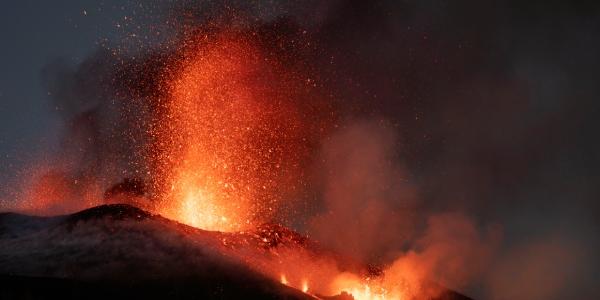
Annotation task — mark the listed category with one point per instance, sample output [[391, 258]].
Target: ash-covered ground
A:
[[119, 251]]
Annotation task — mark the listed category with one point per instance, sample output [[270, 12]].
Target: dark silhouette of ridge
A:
[[119, 251], [114, 211]]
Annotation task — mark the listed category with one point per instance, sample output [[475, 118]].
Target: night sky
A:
[[34, 35], [494, 105]]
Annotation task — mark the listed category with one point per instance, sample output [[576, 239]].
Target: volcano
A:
[[120, 251]]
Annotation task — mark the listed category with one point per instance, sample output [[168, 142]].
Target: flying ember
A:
[[229, 139]]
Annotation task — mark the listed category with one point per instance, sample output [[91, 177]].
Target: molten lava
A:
[[228, 138]]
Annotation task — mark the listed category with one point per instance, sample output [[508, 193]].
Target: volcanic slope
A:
[[119, 251]]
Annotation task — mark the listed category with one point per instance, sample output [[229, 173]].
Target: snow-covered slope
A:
[[120, 247], [121, 251]]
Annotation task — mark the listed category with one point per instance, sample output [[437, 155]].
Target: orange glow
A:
[[227, 139], [363, 289], [359, 288], [283, 279], [304, 286], [47, 190]]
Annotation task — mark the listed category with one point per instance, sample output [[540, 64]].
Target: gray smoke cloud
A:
[[494, 104]]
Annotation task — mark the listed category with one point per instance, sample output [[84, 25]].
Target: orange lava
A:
[[229, 141], [362, 289], [304, 286], [352, 284]]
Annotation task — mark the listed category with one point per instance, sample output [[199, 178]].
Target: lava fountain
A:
[[229, 140]]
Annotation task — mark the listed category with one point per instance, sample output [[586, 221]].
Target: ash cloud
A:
[[494, 103], [369, 201]]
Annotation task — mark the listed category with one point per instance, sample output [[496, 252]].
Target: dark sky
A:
[[35, 33], [496, 103]]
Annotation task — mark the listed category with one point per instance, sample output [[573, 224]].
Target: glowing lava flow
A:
[[363, 289], [304, 286], [346, 283]]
